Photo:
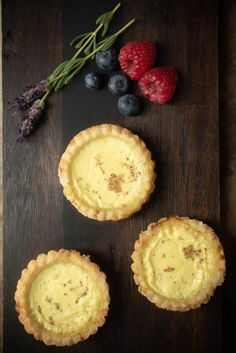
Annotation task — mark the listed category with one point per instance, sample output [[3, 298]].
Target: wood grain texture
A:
[[227, 50], [32, 196], [183, 137], [1, 203]]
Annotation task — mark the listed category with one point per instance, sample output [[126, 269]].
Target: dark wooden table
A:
[[183, 137]]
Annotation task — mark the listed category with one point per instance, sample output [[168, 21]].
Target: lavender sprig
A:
[[32, 101], [31, 119], [28, 97]]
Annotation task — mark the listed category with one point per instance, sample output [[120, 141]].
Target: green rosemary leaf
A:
[[103, 41], [74, 73], [67, 69], [105, 29], [75, 40], [94, 47], [60, 83], [109, 43], [73, 63], [101, 18], [89, 48], [57, 70], [106, 24], [105, 20], [82, 41]]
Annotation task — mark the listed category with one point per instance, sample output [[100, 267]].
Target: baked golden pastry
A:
[[62, 297], [178, 263], [107, 172]]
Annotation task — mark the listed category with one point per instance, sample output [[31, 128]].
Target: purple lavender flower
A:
[[28, 97], [31, 120]]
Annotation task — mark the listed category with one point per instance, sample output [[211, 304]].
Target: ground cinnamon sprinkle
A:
[[190, 252], [57, 305], [47, 299], [99, 163], [84, 293], [51, 320], [169, 269], [115, 183], [133, 171]]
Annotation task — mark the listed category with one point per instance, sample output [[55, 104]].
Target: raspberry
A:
[[136, 58], [158, 85]]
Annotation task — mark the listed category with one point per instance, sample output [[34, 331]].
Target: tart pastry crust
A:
[[107, 172], [62, 297], [178, 263]]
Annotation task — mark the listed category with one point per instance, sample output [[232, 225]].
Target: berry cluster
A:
[[158, 84], [118, 83], [136, 60]]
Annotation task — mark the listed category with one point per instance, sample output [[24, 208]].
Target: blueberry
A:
[[118, 84], [106, 59], [129, 105], [93, 81]]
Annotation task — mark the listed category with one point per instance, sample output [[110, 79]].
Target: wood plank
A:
[[227, 75], [1, 203], [185, 141], [32, 196], [182, 135]]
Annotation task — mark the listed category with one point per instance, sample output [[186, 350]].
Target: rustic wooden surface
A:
[[227, 65], [1, 204], [183, 137]]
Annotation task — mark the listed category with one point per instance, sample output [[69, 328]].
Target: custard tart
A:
[[62, 297], [178, 263], [107, 172]]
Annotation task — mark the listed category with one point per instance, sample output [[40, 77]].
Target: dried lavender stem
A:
[[46, 95]]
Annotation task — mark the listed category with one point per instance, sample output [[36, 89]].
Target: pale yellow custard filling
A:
[[179, 261], [65, 298], [109, 172]]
